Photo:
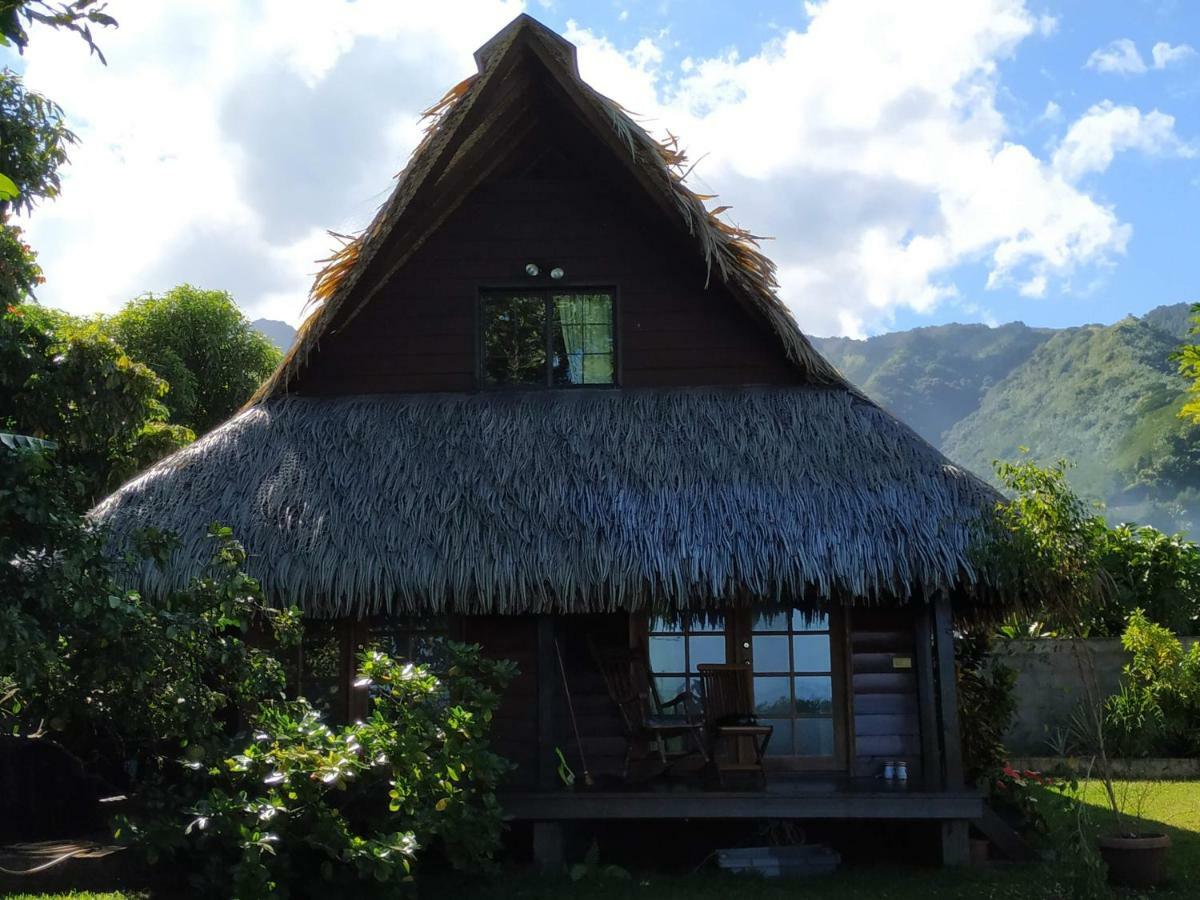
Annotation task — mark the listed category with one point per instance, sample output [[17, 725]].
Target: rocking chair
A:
[[729, 717], [645, 716]]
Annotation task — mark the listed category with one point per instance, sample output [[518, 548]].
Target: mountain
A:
[[1105, 397], [281, 334]]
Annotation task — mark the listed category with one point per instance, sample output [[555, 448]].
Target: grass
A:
[[1173, 807]]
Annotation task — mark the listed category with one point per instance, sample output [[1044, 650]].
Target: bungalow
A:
[[550, 403]]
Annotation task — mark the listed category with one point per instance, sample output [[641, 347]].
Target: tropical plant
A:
[[1046, 549], [986, 703], [1158, 707], [33, 146], [77, 16], [199, 342], [122, 681], [354, 809], [103, 409]]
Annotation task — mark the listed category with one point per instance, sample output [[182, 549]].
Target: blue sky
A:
[[916, 163]]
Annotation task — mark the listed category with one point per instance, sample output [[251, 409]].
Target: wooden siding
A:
[[419, 333], [885, 705], [515, 728]]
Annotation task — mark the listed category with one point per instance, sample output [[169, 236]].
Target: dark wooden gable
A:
[[543, 186]]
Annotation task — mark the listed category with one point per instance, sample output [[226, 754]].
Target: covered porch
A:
[[892, 698]]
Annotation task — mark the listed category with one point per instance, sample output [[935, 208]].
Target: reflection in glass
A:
[[669, 687], [705, 648], [814, 737], [666, 653], [770, 621], [771, 653], [514, 340], [814, 695], [772, 696], [321, 666], [781, 738], [804, 621], [811, 652]]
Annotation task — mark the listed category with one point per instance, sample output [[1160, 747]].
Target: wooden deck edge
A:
[[563, 806]]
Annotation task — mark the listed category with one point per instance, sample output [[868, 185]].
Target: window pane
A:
[[811, 652], [770, 621], [814, 695], [669, 687], [772, 696], [514, 340], [771, 653], [321, 673], [814, 737], [781, 738], [803, 621], [597, 369], [706, 648], [666, 654], [581, 336]]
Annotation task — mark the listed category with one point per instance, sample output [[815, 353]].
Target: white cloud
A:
[[1165, 55], [1094, 139], [222, 139], [872, 148], [1120, 57], [1052, 112]]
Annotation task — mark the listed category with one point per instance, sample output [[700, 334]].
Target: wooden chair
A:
[[648, 724], [728, 697]]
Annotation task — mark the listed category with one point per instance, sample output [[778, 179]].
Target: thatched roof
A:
[[590, 500], [582, 500], [478, 112]]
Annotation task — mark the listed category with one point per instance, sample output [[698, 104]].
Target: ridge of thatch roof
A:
[[456, 123], [580, 501]]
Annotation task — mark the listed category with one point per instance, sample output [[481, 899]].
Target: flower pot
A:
[[1136, 860]]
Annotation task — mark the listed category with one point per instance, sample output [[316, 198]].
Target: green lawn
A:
[[1170, 806]]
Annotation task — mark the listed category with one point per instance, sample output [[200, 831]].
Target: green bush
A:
[[353, 809], [1158, 708], [986, 703]]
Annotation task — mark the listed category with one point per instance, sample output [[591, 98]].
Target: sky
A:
[[914, 163]]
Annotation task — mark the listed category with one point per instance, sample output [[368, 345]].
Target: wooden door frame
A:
[[739, 622]]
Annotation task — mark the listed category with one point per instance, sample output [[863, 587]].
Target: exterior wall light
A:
[[532, 270], [556, 273]]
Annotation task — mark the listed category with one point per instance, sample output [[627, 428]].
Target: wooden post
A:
[[931, 757], [947, 692], [956, 848], [548, 679], [548, 846]]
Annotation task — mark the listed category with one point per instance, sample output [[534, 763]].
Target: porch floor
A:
[[783, 797]]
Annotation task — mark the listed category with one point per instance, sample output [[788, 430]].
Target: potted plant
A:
[[1050, 549]]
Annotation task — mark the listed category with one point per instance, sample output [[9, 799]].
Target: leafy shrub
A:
[[986, 703], [1158, 708], [122, 681], [354, 808]]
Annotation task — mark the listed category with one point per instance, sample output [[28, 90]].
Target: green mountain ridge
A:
[[1105, 397]]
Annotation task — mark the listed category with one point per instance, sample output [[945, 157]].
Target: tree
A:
[[33, 146], [1187, 358], [201, 344], [81, 390], [77, 16], [120, 680]]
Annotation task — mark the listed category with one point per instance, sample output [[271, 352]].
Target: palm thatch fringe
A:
[[731, 251], [584, 501]]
